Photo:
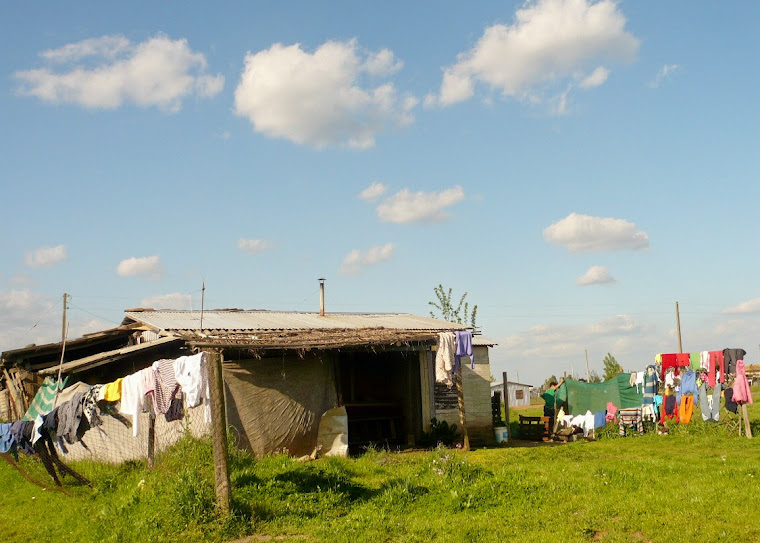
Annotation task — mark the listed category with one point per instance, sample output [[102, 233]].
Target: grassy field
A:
[[696, 484]]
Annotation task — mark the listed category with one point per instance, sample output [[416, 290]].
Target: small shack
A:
[[519, 393], [284, 370]]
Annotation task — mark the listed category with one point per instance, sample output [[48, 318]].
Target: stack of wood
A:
[[15, 395]]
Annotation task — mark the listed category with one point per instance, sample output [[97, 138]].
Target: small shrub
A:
[[440, 433]]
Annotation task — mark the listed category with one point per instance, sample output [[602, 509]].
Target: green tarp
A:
[[580, 397]]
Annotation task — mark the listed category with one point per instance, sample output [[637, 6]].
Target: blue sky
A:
[[577, 167]]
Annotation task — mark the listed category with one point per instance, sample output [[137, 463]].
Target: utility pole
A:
[[588, 372], [64, 332], [678, 327], [203, 299]]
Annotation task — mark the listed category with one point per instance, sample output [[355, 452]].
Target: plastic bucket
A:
[[501, 434]]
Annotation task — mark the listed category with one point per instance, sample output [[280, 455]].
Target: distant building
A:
[[519, 393]]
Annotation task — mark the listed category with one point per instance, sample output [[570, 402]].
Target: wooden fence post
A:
[[219, 430]]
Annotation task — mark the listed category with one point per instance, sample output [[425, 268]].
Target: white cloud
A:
[[107, 72], [750, 306], [253, 246], [595, 78], [149, 266], [46, 257], [174, 300], [322, 98], [406, 206], [21, 280], [22, 312], [665, 72], [584, 233], [596, 275], [356, 261], [373, 192], [549, 42]]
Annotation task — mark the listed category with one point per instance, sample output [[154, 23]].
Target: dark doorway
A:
[[381, 393]]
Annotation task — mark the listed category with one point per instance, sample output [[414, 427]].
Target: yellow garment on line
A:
[[112, 391]]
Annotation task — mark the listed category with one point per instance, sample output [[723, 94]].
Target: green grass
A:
[[695, 485]]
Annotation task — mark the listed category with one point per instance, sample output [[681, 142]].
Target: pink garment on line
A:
[[742, 393], [611, 411]]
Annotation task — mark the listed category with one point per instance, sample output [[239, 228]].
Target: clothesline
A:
[[172, 384]]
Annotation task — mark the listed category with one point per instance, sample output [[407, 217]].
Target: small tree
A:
[[459, 314], [611, 367], [594, 377], [549, 381]]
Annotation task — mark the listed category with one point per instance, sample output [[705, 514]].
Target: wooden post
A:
[[505, 388], [678, 327], [219, 430], [462, 416], [151, 432], [745, 416]]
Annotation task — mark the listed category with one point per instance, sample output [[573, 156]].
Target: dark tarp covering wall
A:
[[581, 397], [277, 403]]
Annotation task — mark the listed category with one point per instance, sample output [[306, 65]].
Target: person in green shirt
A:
[[550, 400]]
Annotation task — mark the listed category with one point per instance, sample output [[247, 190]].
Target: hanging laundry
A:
[[648, 412], [730, 403], [444, 358], [611, 412], [600, 419], [742, 392], [464, 348], [166, 384], [686, 409], [695, 361], [688, 383], [668, 361], [21, 431], [683, 360], [44, 400], [6, 438], [192, 375], [70, 415], [650, 385], [715, 366], [111, 392], [669, 409], [132, 398], [704, 360], [710, 404], [630, 417], [731, 357]]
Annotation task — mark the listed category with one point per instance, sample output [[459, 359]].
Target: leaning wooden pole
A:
[[219, 431], [462, 416]]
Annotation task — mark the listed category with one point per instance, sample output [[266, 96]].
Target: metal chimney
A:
[[321, 296]]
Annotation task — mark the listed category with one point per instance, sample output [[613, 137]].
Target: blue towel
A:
[[600, 419], [689, 383]]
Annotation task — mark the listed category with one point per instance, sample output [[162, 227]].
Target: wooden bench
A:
[[536, 428]]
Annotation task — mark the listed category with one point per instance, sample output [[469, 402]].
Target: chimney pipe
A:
[[321, 296]]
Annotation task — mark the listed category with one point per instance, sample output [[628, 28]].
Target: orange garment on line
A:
[[686, 409]]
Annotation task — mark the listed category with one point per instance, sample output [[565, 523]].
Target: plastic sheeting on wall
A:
[[277, 403]]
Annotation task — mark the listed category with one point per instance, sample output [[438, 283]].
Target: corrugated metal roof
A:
[[89, 362], [285, 320]]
